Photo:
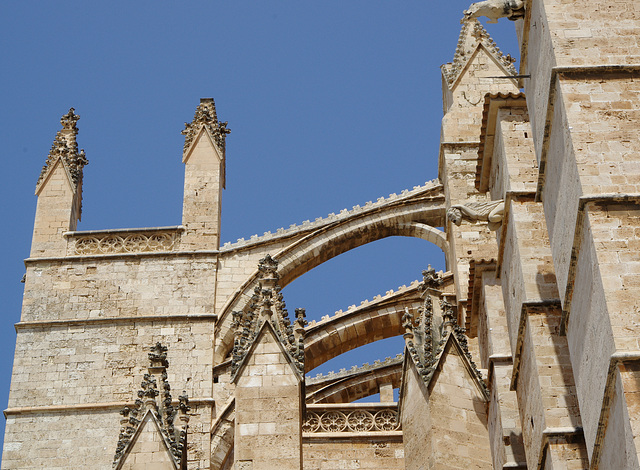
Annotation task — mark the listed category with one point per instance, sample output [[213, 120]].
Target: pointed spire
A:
[[472, 35], [267, 305], [162, 411], [207, 117], [427, 336], [65, 149]]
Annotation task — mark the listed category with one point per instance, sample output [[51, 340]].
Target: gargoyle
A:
[[491, 211], [495, 9]]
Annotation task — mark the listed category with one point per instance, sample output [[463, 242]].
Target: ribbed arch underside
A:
[[416, 218]]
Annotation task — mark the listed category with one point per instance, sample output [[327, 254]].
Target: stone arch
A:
[[222, 438], [342, 333], [357, 386], [365, 324], [414, 218]]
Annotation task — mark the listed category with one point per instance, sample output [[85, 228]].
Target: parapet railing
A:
[[107, 242], [336, 418]]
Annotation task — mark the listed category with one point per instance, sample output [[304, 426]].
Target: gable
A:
[[266, 343], [201, 147], [481, 60], [57, 174], [148, 448], [458, 410]]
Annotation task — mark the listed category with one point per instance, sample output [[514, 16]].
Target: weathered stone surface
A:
[[543, 192]]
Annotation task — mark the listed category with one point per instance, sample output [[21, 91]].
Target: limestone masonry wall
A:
[[525, 354]]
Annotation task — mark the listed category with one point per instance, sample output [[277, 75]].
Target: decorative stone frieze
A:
[[267, 305], [172, 422], [127, 242], [206, 116], [65, 149], [352, 420]]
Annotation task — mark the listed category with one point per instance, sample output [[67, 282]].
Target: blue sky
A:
[[330, 104]]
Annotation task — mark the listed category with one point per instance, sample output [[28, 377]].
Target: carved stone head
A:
[[454, 215]]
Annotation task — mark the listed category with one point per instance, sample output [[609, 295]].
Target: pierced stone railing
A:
[[351, 418], [123, 241]]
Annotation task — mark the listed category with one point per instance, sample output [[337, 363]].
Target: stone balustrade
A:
[[351, 418], [107, 242]]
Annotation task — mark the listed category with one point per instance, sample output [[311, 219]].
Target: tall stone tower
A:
[[524, 354]]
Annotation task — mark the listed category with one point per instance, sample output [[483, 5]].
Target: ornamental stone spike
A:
[[204, 179], [59, 191], [65, 147], [267, 306], [473, 34], [155, 396], [69, 127], [207, 117]]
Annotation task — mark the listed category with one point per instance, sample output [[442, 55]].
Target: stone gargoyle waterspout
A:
[[496, 9], [490, 211]]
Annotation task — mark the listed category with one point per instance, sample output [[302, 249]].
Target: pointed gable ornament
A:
[[205, 118], [474, 36], [65, 151], [154, 412], [267, 306], [427, 338]]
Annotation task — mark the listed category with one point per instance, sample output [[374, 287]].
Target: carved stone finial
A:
[[407, 324], [184, 402], [237, 319], [65, 148], [162, 411], [496, 9], [69, 120], [158, 356], [301, 314], [267, 305], [491, 211], [431, 279], [206, 116], [268, 268], [448, 315], [183, 408]]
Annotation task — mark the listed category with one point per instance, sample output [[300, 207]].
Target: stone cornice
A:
[[90, 407], [111, 320]]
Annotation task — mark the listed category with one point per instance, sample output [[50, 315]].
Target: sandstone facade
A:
[[524, 354]]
